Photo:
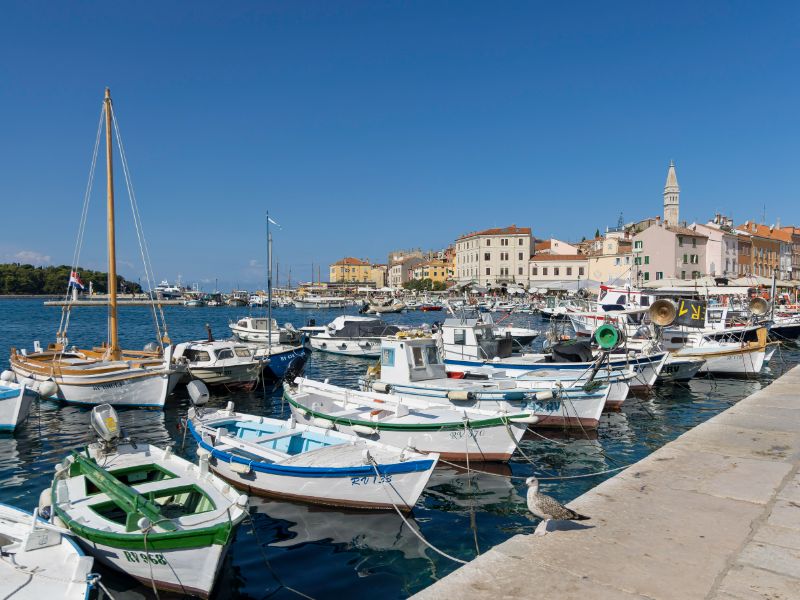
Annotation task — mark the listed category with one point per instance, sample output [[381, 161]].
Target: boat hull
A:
[[143, 389], [647, 367], [746, 362], [495, 443], [15, 405], [278, 364], [185, 571], [363, 347]]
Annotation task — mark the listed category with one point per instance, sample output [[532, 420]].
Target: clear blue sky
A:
[[368, 126]]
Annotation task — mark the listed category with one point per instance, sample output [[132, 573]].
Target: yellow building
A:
[[350, 270], [435, 270], [355, 270]]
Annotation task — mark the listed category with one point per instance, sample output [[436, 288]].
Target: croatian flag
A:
[[75, 280]]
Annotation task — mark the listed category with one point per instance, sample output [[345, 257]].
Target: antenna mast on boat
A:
[[112, 251], [269, 287]]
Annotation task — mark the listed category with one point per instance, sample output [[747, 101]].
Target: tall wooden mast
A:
[[112, 250]]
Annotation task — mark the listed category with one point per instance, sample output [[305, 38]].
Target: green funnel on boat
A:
[[608, 337]]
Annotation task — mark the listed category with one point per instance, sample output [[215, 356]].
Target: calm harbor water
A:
[[329, 553]]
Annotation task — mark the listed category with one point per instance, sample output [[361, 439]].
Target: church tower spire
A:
[[672, 195]]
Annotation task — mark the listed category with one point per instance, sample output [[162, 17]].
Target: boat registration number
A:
[[142, 557], [459, 433], [368, 479]]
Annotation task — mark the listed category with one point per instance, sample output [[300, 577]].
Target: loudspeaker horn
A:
[[758, 306], [663, 312]]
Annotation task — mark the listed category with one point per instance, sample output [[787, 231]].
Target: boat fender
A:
[[460, 395], [322, 423], [48, 388], [143, 523], [230, 407], [363, 430], [379, 386], [529, 420], [240, 468], [7, 376], [544, 396], [45, 499], [242, 500]]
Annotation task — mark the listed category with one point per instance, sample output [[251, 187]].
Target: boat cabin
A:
[[474, 339], [410, 359]]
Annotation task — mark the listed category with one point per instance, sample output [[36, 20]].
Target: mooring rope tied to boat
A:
[[472, 520], [96, 579], [399, 512], [266, 561]]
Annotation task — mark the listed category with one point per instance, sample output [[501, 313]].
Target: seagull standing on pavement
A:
[[548, 508]]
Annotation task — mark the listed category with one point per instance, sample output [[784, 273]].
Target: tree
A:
[[597, 233], [16, 278]]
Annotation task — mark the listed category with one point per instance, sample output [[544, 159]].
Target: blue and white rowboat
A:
[[270, 457]]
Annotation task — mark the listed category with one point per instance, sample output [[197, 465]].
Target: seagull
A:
[[548, 508]]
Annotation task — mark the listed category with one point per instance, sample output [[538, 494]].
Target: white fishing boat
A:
[[15, 401], [470, 343], [220, 362], [523, 336], [353, 336], [320, 302], [106, 374], [39, 561], [379, 307], [738, 358], [271, 457], [412, 368], [261, 330], [453, 433], [145, 511]]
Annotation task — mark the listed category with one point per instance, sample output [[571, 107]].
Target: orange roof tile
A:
[[512, 230], [557, 257], [349, 260]]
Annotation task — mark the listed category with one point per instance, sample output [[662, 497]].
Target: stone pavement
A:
[[714, 514]]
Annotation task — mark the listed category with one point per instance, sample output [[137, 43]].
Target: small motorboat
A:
[[39, 560], [15, 401], [431, 307], [145, 511], [270, 457], [353, 336]]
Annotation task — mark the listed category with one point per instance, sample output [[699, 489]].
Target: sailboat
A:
[[105, 374]]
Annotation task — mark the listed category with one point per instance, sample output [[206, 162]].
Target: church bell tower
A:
[[672, 195]]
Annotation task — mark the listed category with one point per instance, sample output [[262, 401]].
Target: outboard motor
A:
[[295, 368]]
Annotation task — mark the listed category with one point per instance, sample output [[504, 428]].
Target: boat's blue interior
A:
[[301, 441], [8, 392]]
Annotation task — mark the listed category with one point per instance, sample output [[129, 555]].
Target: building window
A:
[[488, 242], [520, 242], [647, 275], [659, 275], [556, 271], [683, 274], [637, 260], [544, 270], [534, 270], [580, 270], [680, 240], [685, 261], [695, 274], [504, 242], [520, 256], [637, 245], [487, 256], [616, 261], [488, 271], [647, 260], [694, 242], [569, 271], [695, 259]]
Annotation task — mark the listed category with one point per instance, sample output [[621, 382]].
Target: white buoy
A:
[[544, 396], [48, 389], [7, 376], [530, 419]]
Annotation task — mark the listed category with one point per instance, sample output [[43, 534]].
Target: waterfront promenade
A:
[[713, 514]]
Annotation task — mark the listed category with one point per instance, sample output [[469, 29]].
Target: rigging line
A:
[[139, 230], [64, 322]]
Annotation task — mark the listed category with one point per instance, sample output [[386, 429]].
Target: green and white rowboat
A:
[[146, 512], [455, 433]]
